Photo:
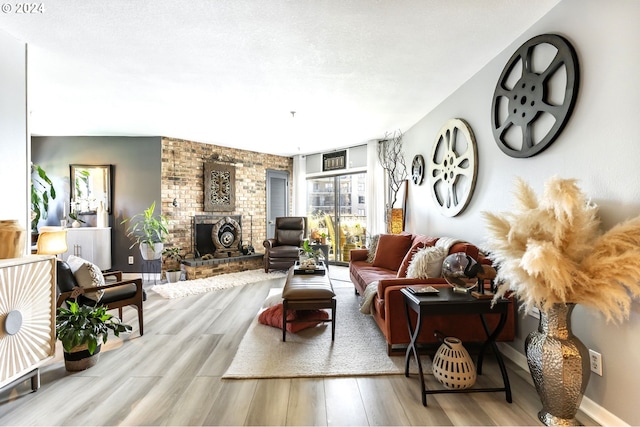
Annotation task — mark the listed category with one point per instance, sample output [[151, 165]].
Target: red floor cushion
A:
[[272, 316]]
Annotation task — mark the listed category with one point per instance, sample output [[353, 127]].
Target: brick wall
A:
[[185, 182]]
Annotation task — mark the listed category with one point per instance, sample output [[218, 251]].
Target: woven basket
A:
[[79, 359], [453, 366]]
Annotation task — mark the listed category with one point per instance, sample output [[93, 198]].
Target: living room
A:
[[596, 147]]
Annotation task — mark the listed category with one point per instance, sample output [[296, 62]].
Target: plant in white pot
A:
[[149, 231], [172, 258], [552, 255], [82, 329]]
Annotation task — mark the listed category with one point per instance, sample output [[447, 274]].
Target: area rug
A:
[[359, 348], [215, 283]]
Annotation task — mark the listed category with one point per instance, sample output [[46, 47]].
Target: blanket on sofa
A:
[[372, 288]]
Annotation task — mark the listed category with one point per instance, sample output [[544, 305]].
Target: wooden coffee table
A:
[[308, 292]]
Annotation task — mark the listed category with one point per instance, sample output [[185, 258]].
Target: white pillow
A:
[[88, 275], [426, 263]]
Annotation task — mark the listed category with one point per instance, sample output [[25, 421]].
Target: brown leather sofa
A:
[[282, 251], [388, 309]]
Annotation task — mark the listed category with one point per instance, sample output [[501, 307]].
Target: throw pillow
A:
[[272, 316], [402, 271], [391, 251], [373, 244], [426, 263], [88, 275]]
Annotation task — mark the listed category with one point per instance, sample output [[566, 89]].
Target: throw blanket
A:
[[372, 288], [369, 292]]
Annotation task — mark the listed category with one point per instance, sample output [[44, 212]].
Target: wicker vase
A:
[[559, 365], [12, 239], [453, 366]]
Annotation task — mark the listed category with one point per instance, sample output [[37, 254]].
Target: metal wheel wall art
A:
[[417, 169], [453, 167], [535, 95]]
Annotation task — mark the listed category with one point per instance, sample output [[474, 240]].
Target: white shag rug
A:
[[215, 283], [359, 348]]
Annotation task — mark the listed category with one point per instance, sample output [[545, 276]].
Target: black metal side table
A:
[[448, 302]]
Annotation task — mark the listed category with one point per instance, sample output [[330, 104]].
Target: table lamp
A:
[[52, 242]]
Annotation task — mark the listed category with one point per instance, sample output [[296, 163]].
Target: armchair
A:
[[116, 294], [282, 251]]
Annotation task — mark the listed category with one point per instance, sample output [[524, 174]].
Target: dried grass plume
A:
[[550, 250]]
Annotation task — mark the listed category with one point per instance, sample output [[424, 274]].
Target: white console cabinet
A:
[[90, 243], [27, 317]]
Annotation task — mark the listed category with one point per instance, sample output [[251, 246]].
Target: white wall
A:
[[14, 177], [600, 146]]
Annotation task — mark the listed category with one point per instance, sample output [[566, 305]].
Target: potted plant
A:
[[76, 219], [309, 256], [82, 329], [149, 231], [551, 254], [42, 191], [172, 255]]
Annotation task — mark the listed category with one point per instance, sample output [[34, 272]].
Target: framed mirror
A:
[[90, 185]]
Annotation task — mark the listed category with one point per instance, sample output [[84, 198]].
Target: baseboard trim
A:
[[588, 406]]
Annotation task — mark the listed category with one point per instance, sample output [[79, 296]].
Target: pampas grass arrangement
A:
[[550, 250]]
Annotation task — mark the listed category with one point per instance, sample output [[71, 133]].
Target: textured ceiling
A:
[[230, 72]]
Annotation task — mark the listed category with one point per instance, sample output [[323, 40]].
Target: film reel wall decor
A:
[[526, 114], [417, 169], [453, 167]]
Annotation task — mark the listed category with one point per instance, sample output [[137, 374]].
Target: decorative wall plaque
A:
[[219, 187], [334, 161]]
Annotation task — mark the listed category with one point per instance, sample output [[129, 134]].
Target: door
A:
[[336, 208], [277, 198]]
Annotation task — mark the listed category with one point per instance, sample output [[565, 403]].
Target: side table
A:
[[448, 302]]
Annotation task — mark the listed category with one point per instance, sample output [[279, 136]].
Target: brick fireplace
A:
[[183, 180]]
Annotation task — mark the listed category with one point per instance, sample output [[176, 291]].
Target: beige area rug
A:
[[215, 283], [359, 348]]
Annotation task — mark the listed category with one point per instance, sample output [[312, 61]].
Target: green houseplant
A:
[[42, 191], [172, 257], [149, 231], [80, 328]]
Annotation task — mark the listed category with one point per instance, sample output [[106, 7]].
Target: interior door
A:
[[277, 198]]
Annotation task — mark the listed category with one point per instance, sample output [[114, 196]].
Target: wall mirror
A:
[[90, 185]]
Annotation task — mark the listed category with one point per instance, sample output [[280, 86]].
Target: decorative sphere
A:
[[454, 270]]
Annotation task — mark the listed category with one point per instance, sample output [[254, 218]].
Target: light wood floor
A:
[[171, 376]]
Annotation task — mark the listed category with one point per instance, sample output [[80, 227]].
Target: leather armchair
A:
[[282, 251], [116, 295]]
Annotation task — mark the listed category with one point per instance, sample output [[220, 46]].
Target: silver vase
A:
[[559, 365]]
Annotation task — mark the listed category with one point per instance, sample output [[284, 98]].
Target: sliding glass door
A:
[[336, 211]]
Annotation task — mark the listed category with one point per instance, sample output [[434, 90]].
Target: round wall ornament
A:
[[417, 169], [535, 95], [453, 167]]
